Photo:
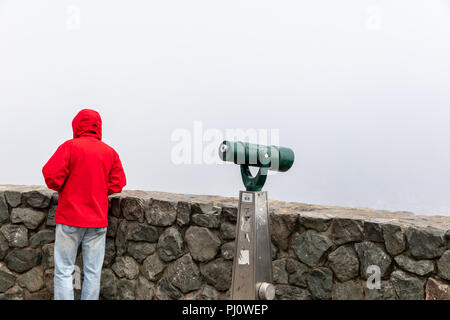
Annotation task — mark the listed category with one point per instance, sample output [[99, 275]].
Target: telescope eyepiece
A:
[[243, 153], [255, 155]]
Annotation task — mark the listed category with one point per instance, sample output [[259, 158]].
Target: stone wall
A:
[[174, 246]]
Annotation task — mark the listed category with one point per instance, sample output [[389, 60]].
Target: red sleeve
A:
[[117, 179], [56, 170]]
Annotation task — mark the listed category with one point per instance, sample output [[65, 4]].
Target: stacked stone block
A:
[[164, 246]]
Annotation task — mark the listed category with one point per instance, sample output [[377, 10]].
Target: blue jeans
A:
[[67, 240]]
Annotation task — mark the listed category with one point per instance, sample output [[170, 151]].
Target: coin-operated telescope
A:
[[252, 267]]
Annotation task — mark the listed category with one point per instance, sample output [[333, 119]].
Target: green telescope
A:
[[254, 155]]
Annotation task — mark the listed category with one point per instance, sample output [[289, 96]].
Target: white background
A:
[[360, 90]]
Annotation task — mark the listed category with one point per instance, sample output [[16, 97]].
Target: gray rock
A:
[[132, 208], [299, 276], [230, 213], [77, 294], [273, 250], [394, 239], [16, 235], [310, 247], [218, 273], [299, 279], [161, 213], [14, 198], [42, 237], [40, 295], [108, 286], [426, 243], [110, 252], [121, 238], [350, 290], [114, 206], [204, 208], [4, 211], [3, 246], [373, 232], [48, 260], [166, 291], [14, 293], [144, 289], [113, 224], [344, 263], [170, 245], [49, 275], [33, 280], [227, 231], [152, 267], [407, 287], [126, 266], [281, 227], [371, 254], [142, 232], [227, 250], [79, 265], [280, 275], [437, 290], [51, 217], [316, 223], [320, 281], [293, 265], [21, 260], [346, 230], [7, 278], [140, 250], [55, 198], [304, 208], [421, 267], [202, 243], [183, 213], [286, 292], [184, 274], [126, 289], [38, 198], [443, 265], [386, 292], [29, 217], [207, 293], [298, 273], [208, 220]]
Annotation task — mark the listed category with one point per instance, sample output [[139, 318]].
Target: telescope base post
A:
[[252, 266]]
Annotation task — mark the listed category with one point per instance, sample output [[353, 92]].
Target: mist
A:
[[360, 90]]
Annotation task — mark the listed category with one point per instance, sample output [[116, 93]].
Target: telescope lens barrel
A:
[[244, 153]]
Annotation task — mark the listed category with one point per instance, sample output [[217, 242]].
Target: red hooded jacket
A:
[[84, 171]]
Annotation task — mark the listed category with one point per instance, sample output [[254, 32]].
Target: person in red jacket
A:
[[84, 171]]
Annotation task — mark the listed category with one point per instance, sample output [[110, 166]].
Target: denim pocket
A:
[[100, 230], [68, 229]]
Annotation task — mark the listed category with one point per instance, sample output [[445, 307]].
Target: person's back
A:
[[84, 171]]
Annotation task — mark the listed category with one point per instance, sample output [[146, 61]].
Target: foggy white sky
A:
[[360, 90]]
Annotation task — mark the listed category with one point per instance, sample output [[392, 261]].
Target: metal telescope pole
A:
[[252, 266]]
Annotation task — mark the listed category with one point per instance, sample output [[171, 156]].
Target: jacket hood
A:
[[87, 123]]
